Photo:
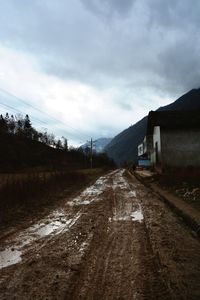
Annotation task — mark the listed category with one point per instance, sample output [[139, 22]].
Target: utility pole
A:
[[92, 144], [91, 152]]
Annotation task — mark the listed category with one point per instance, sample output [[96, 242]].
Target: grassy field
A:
[[24, 195]]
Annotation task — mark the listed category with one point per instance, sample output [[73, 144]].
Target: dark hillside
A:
[[18, 153], [188, 101], [22, 147], [123, 148]]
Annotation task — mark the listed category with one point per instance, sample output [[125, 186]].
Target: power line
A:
[[19, 111], [44, 113], [37, 120]]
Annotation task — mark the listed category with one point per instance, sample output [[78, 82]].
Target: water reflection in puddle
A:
[[127, 213], [51, 226], [137, 216], [55, 224], [91, 193], [9, 257]]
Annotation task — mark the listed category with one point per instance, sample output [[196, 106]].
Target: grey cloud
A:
[[174, 14], [150, 43], [125, 106], [180, 64], [109, 8]]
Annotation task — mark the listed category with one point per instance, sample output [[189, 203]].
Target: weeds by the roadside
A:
[[38, 190], [22, 191]]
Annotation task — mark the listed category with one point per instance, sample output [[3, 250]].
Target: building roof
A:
[[173, 120]]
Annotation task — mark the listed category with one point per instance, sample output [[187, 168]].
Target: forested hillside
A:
[[22, 147]]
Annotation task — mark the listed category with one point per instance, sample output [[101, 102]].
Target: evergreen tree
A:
[[27, 127], [7, 118], [11, 125], [65, 144], [58, 144], [3, 125], [19, 127], [19, 124]]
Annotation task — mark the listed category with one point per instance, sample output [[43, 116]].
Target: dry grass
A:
[[26, 194]]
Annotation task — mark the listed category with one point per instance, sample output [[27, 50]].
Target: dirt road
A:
[[116, 240]]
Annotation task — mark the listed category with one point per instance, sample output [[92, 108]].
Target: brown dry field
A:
[[117, 240]]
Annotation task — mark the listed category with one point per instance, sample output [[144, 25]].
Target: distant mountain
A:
[[99, 144], [123, 148]]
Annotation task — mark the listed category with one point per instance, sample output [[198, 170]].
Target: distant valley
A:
[[98, 145]]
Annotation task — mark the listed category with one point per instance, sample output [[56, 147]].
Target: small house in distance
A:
[[174, 139], [144, 152]]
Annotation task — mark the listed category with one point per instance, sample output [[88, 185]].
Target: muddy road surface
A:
[[115, 240]]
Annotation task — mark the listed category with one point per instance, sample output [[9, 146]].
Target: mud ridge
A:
[[188, 219]]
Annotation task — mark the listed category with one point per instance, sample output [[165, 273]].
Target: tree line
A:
[[23, 146], [22, 127]]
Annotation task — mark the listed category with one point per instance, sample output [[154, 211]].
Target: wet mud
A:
[[116, 240]]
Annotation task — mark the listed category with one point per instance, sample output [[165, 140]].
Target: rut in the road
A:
[[118, 241], [120, 264]]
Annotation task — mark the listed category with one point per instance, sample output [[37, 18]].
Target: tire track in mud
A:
[[123, 246], [120, 263], [56, 257], [15, 245], [175, 250]]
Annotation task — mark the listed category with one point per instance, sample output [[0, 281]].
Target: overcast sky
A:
[[95, 67]]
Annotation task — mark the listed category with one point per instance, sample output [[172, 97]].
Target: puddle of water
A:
[[9, 257], [119, 182], [85, 243], [137, 216], [128, 213], [91, 193], [56, 224], [125, 218], [132, 194], [48, 229]]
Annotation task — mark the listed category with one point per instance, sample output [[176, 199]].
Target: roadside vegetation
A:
[[37, 170], [24, 197], [23, 148]]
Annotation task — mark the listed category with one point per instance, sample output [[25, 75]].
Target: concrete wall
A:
[[145, 144], [156, 141], [180, 148]]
